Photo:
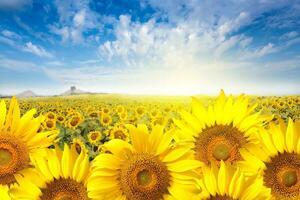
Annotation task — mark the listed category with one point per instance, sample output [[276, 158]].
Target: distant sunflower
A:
[[94, 137], [119, 132], [49, 124], [79, 145], [74, 121], [61, 119], [149, 168], [228, 183], [51, 115], [120, 109], [105, 110], [94, 114], [279, 158], [105, 120], [140, 111], [220, 131], [61, 175], [19, 141], [123, 116]]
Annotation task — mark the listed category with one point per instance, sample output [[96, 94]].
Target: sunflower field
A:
[[117, 147]]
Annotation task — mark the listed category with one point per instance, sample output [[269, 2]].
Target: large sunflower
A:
[[229, 182], [220, 131], [150, 168], [61, 175], [19, 142], [278, 157]]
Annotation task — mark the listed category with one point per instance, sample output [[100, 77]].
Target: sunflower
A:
[[220, 131], [49, 124], [79, 144], [105, 120], [229, 182], [94, 114], [123, 116], [74, 121], [278, 155], [160, 120], [105, 110], [19, 141], [50, 115], [61, 119], [149, 168], [94, 137], [61, 175], [120, 109], [140, 111], [119, 132]]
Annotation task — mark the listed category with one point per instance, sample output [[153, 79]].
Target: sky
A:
[[170, 47]]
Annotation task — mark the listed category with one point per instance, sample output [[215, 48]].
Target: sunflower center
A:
[[94, 136], [219, 197], [289, 178], [282, 176], [64, 189], [14, 157], [120, 135], [5, 157], [144, 176], [221, 152], [219, 142]]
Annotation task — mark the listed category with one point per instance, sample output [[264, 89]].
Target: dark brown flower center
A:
[[219, 142], [219, 197], [119, 135], [144, 176], [64, 189]]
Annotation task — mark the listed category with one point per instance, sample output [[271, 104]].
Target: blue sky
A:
[[150, 46]]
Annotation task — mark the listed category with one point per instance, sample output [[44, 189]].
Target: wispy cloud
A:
[[10, 34], [37, 50]]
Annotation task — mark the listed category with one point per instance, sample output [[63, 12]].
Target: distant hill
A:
[[26, 94], [74, 91]]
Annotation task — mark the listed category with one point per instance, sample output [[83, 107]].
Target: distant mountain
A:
[[26, 94], [73, 91]]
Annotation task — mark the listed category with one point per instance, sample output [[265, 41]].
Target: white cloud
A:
[[265, 50], [37, 50], [7, 41], [10, 34], [79, 18], [75, 18], [290, 35], [187, 46]]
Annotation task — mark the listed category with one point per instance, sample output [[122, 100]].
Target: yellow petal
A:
[[2, 113], [184, 165], [223, 179], [291, 137]]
